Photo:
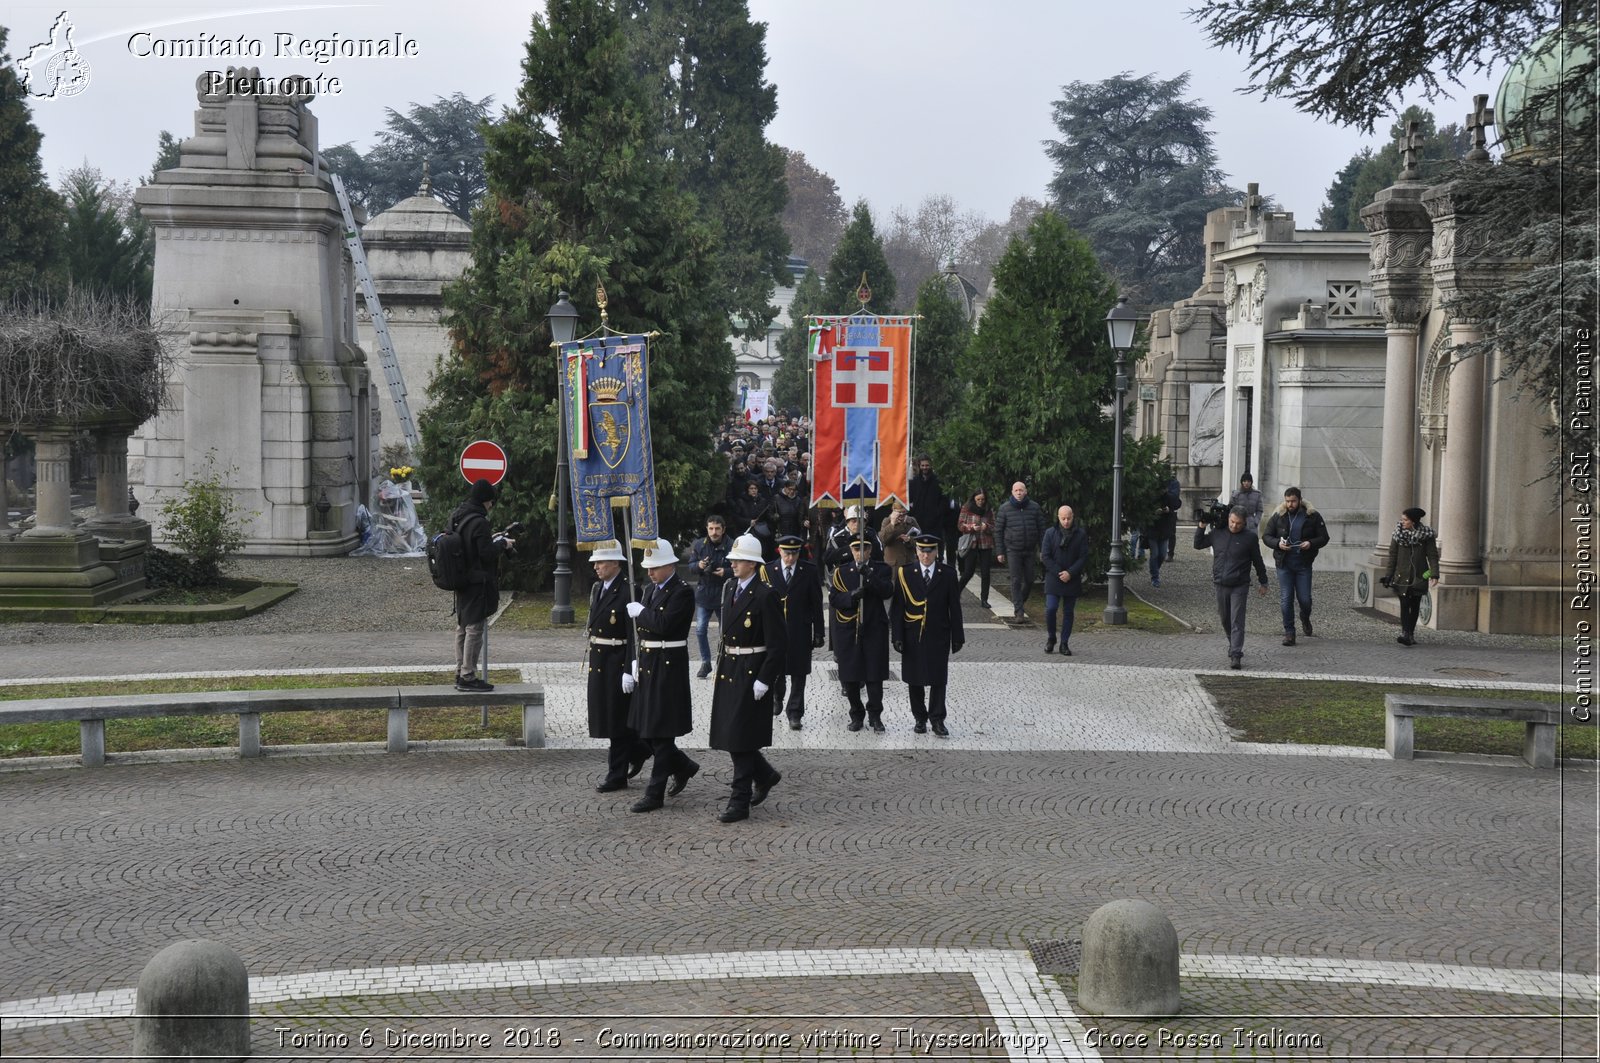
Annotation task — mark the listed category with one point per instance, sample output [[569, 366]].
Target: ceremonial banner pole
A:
[[627, 552]]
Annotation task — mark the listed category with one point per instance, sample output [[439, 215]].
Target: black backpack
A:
[[447, 559]]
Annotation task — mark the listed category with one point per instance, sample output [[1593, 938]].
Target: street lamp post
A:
[[1120, 323], [563, 321]]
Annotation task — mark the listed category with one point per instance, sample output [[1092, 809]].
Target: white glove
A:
[[761, 689], [633, 669], [628, 683], [635, 608]]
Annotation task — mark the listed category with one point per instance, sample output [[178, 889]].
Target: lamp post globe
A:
[[563, 320], [1121, 322]]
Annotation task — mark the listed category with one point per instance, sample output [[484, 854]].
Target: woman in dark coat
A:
[[859, 628], [977, 520], [757, 516], [749, 665], [1413, 568]]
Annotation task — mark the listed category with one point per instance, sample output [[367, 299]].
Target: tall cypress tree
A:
[[103, 253], [942, 337], [791, 384], [1040, 385], [578, 196], [30, 223], [860, 251], [708, 62]]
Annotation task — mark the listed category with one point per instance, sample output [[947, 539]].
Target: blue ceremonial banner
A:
[[605, 396]]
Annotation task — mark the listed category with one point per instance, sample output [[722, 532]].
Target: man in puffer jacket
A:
[[1295, 532]]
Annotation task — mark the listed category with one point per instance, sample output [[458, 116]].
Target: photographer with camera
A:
[[1234, 552], [479, 599]]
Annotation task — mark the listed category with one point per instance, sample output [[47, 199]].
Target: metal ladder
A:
[[380, 323]]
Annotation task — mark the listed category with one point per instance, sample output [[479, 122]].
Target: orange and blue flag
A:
[[862, 430]]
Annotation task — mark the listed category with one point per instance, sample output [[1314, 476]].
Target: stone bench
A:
[[1541, 719], [93, 712]]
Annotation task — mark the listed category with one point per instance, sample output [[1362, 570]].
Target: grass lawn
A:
[[1141, 615], [531, 612], [277, 729], [1331, 712]]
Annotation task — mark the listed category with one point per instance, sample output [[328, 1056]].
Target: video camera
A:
[[515, 530], [1211, 512]]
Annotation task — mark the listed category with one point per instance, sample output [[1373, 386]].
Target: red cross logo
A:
[[863, 376]]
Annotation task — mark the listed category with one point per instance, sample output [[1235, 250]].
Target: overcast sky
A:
[[895, 99]]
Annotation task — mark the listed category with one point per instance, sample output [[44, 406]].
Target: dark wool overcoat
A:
[[740, 721], [925, 620], [661, 706], [608, 619], [801, 598], [859, 628]]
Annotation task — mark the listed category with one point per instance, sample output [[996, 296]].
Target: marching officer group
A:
[[771, 619]]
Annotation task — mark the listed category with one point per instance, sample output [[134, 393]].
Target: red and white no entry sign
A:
[[483, 460]]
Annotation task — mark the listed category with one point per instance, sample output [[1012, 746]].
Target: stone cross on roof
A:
[[426, 188], [1411, 153], [1252, 203], [1478, 123]]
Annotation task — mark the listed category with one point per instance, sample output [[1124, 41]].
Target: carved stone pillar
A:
[[1402, 245], [1462, 262], [53, 488], [1461, 489], [112, 519]]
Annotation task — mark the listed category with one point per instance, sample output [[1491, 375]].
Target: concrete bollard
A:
[[1130, 962], [193, 1001]]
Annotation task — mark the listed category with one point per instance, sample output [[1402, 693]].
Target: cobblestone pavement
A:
[[1390, 909], [306, 864]]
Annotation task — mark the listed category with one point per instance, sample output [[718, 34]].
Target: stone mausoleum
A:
[[1274, 367], [414, 249], [1334, 361], [255, 291]]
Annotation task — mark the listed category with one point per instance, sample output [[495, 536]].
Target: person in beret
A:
[[1413, 568]]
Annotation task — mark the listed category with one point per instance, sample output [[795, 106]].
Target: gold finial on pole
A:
[[864, 291], [600, 301]]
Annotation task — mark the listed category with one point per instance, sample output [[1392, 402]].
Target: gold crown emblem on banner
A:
[[607, 388]]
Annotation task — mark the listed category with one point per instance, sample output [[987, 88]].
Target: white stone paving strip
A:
[[1510, 981], [1032, 1017]]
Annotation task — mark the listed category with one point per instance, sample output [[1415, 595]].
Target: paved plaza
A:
[[897, 895]]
